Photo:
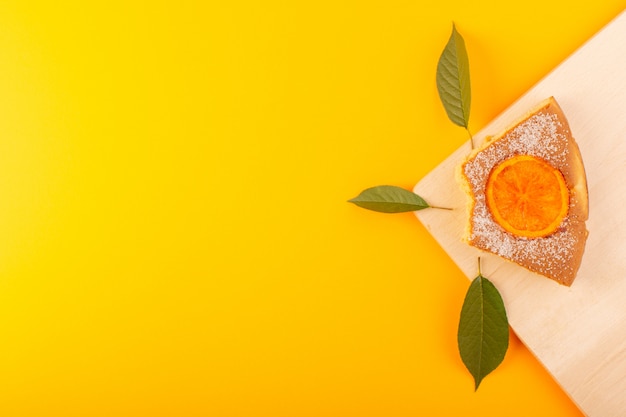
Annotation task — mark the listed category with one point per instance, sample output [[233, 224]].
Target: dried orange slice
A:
[[527, 196]]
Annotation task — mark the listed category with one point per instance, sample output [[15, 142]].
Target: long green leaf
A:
[[483, 329], [453, 80], [389, 199]]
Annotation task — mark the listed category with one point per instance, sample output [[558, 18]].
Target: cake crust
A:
[[543, 133]]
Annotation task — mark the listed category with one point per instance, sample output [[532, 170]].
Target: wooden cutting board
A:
[[578, 333]]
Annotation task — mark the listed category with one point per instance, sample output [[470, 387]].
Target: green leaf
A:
[[453, 80], [483, 329], [389, 199]]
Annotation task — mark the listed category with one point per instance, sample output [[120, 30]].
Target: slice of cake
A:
[[528, 195]]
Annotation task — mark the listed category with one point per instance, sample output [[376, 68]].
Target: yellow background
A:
[[175, 234]]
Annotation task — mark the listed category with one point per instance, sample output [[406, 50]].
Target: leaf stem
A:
[[470, 136], [479, 273], [441, 208]]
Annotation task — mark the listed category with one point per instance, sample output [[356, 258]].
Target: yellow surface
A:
[[175, 234]]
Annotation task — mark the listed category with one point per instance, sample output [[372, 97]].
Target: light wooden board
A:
[[578, 333]]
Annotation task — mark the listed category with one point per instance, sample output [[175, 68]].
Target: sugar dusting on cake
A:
[[539, 136]]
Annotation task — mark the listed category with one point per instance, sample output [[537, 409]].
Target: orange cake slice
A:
[[528, 195]]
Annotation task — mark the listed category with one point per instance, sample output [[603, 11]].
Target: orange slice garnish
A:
[[527, 196]]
